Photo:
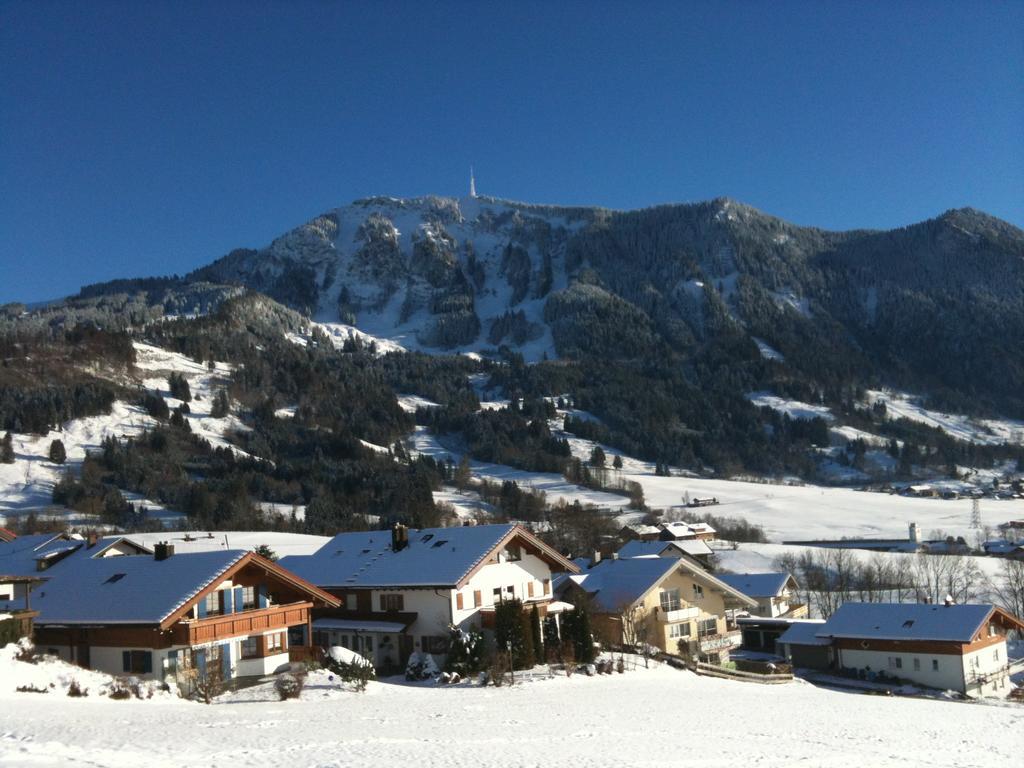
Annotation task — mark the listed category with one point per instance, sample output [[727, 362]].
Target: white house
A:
[[950, 647], [401, 590]]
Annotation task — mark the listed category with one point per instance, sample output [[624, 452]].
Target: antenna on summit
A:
[[472, 183]]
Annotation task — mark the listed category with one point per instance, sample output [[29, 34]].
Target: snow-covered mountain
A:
[[431, 273]]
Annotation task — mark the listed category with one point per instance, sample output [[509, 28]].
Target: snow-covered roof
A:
[[757, 584], [434, 557], [20, 556], [906, 621], [686, 529], [616, 583], [804, 633], [127, 590], [692, 547]]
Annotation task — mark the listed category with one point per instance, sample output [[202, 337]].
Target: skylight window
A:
[[115, 577], [908, 623], [426, 537], [440, 543]]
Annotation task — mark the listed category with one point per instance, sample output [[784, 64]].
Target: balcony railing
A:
[[679, 614], [213, 628]]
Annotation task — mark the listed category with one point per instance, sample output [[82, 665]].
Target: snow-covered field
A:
[[642, 718]]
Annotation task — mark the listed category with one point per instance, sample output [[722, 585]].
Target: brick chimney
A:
[[162, 550]]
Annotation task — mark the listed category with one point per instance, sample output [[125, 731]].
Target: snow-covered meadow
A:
[[659, 716]]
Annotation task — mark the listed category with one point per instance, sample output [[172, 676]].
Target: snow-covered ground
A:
[[553, 485], [613, 721], [792, 408], [901, 405], [28, 482]]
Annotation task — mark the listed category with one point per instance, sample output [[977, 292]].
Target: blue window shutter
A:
[[201, 608], [126, 660], [201, 661], [263, 596], [147, 662], [225, 660], [239, 599]]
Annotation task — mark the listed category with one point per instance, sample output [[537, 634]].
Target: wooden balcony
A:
[[215, 628]]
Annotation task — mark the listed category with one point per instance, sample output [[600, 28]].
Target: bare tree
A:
[[936, 576], [636, 626], [1008, 589]]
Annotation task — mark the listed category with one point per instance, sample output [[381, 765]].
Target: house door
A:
[[404, 648], [82, 655]]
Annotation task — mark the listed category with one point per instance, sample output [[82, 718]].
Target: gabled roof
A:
[[758, 584], [637, 548], [907, 621], [617, 583], [20, 556], [144, 590], [127, 590], [434, 557]]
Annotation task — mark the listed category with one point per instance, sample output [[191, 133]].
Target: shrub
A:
[[289, 686], [354, 670], [467, 652], [31, 689], [77, 691], [421, 666]]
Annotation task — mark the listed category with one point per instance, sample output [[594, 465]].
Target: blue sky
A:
[[151, 138]]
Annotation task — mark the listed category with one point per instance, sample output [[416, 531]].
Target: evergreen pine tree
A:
[[7, 449], [58, 455]]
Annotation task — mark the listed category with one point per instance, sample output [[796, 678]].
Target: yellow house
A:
[[669, 603]]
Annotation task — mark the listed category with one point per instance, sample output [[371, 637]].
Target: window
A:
[[115, 577], [529, 589], [426, 537], [908, 623], [275, 642], [440, 543], [995, 654], [935, 665], [435, 644], [679, 630], [497, 594], [137, 662], [917, 665], [392, 602], [698, 592], [213, 604], [350, 601], [249, 648], [248, 598], [707, 627], [547, 586], [513, 554], [895, 662], [669, 599]]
